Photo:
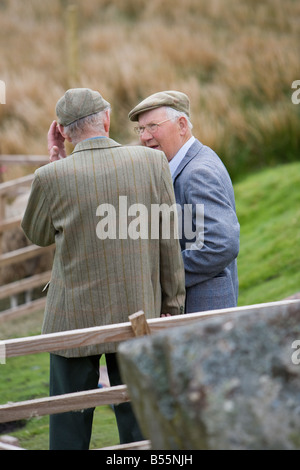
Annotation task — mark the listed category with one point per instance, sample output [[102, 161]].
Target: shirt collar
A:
[[176, 160], [93, 138]]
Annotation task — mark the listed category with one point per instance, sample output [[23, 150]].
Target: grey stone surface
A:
[[230, 382]]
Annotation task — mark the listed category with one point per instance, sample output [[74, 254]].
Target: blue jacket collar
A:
[[191, 153]]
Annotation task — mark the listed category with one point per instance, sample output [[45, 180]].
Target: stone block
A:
[[227, 382]]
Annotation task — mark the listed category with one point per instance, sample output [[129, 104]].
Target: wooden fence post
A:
[[139, 324], [2, 216]]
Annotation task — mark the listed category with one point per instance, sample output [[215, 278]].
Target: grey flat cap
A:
[[78, 103], [174, 99]]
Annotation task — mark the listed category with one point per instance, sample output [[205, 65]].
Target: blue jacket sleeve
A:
[[217, 233]]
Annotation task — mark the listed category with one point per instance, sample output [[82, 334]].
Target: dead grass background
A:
[[236, 59]]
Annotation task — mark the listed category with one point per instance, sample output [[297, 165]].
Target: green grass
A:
[[27, 378], [268, 207]]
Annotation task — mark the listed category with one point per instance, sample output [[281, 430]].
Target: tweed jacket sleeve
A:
[[37, 222]]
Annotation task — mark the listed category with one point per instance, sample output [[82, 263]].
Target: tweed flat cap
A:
[[174, 99], [78, 103]]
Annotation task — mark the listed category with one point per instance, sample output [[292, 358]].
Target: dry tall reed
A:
[[236, 59]]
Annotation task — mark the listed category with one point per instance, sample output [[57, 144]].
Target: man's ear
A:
[[62, 131], [183, 125], [107, 122]]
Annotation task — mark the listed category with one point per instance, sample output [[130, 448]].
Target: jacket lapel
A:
[[191, 153]]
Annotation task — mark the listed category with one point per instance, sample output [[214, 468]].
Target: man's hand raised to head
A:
[[56, 146]]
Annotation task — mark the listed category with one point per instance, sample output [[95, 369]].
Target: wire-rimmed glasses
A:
[[152, 127]]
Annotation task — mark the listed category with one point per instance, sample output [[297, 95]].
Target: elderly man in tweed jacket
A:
[[105, 267], [203, 188]]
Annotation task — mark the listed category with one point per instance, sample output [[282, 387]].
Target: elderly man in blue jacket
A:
[[204, 196]]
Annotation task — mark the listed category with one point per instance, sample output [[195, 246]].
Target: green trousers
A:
[[72, 430]]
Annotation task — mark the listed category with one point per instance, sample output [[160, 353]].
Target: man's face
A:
[[166, 137]]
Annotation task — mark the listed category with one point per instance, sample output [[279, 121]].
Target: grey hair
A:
[[174, 114], [94, 122]]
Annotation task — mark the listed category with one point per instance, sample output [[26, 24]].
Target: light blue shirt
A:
[[176, 160], [93, 138]]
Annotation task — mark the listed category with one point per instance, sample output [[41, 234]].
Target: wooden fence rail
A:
[[103, 334], [9, 187], [24, 309], [10, 223], [31, 282], [20, 255], [63, 403], [123, 331], [36, 160], [17, 287], [111, 333]]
